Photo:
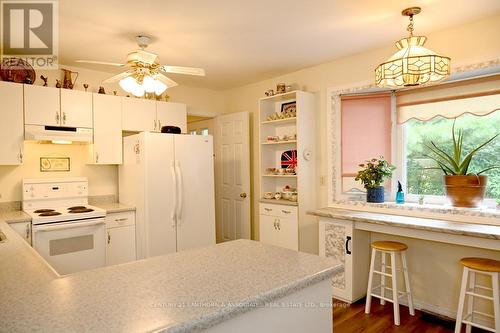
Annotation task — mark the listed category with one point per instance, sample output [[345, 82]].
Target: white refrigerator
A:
[[169, 178]]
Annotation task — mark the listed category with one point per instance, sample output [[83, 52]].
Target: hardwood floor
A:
[[352, 319]]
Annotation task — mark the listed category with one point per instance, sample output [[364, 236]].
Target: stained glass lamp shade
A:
[[412, 64]]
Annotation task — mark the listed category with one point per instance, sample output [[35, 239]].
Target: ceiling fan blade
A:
[[183, 70], [117, 77], [100, 62], [168, 82]]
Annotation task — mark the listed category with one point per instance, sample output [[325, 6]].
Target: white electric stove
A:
[[68, 232]]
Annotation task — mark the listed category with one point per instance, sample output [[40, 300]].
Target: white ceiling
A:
[[240, 42]]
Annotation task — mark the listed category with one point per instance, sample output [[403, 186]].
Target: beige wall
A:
[[102, 179], [468, 44]]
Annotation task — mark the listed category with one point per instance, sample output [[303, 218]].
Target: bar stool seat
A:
[[471, 290], [482, 264], [393, 250], [389, 246]]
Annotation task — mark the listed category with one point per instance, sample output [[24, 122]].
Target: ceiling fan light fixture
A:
[[160, 87], [149, 84], [412, 64], [128, 84]]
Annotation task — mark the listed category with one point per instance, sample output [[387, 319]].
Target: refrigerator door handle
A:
[[174, 179], [179, 192]]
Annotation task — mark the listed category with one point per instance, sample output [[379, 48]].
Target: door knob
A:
[[243, 195]]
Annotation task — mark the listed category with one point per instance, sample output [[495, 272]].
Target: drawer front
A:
[[115, 220], [279, 210]]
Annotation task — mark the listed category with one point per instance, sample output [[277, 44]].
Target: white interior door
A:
[[232, 163], [195, 191]]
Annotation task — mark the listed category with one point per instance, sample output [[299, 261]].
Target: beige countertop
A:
[[160, 293], [443, 226], [115, 207]]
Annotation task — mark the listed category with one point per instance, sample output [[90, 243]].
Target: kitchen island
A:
[[242, 286]]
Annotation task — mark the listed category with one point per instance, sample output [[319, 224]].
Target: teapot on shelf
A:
[[68, 83]]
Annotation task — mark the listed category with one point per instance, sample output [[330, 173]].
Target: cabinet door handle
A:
[[21, 155], [109, 238], [278, 224], [121, 219], [347, 241], [27, 231], [64, 118], [159, 125], [58, 117], [286, 211], [155, 125], [268, 209], [97, 157], [275, 224]]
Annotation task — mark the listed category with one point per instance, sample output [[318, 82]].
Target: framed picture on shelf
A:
[[289, 108]]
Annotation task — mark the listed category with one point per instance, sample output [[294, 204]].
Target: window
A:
[[477, 129]]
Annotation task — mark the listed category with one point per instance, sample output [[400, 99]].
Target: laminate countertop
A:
[[115, 207], [442, 226], [181, 292]]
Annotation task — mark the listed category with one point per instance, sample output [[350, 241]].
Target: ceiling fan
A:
[[145, 73]]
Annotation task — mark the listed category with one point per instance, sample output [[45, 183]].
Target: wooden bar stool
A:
[[392, 249], [473, 266]]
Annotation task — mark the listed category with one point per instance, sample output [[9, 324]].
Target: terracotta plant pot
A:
[[465, 191]]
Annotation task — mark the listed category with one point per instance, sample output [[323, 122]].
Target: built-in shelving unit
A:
[[293, 227], [279, 142]]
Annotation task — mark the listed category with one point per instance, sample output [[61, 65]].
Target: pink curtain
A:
[[366, 130]]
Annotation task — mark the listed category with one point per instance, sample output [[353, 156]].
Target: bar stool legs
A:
[[470, 290], [407, 283], [392, 249]]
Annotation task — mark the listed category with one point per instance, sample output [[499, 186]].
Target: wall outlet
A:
[[322, 180]]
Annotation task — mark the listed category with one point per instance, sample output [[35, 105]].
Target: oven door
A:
[[72, 246]]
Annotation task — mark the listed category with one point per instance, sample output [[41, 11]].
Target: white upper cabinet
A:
[[41, 105], [11, 126], [171, 114], [107, 146], [57, 107], [138, 114], [76, 108]]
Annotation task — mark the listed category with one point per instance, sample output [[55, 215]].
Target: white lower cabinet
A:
[[120, 233], [279, 226], [339, 239], [23, 229]]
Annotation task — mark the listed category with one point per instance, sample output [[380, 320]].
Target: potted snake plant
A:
[[373, 173], [462, 187]]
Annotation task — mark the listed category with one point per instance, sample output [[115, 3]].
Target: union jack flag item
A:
[[289, 159]]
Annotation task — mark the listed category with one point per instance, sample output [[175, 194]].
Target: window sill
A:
[[443, 212]]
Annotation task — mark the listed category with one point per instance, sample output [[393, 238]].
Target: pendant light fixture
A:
[[412, 64]]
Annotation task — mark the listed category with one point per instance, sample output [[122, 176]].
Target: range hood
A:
[[58, 134]]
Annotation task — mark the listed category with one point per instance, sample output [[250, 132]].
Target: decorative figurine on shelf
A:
[[68, 82], [58, 83], [400, 196], [86, 86], [44, 79], [167, 97], [101, 91], [269, 93], [280, 88]]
